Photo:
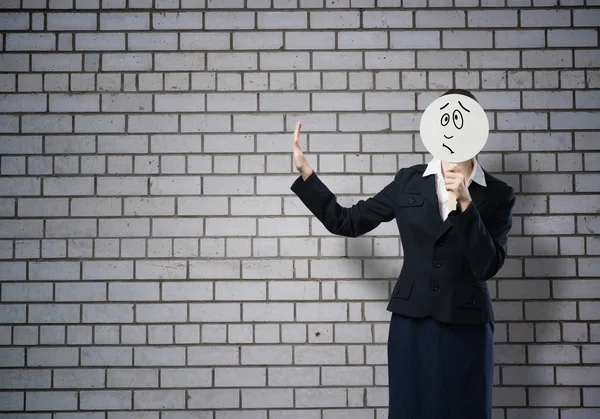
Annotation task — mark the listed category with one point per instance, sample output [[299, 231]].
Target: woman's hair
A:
[[460, 92]]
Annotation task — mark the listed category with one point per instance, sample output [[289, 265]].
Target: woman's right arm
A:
[[354, 221]]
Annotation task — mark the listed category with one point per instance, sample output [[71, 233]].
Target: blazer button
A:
[[437, 263], [472, 300], [411, 201], [440, 243]]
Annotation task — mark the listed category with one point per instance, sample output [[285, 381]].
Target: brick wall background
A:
[[155, 262]]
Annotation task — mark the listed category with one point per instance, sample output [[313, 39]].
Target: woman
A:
[[440, 344]]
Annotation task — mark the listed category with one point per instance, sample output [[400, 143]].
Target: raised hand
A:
[[299, 160]]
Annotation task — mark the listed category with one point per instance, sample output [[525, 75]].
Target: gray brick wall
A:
[[154, 263]]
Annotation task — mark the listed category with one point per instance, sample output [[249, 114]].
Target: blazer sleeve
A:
[[354, 221], [485, 248]]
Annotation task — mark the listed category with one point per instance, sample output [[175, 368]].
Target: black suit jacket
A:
[[446, 264]]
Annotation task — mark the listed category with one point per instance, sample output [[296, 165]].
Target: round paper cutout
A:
[[454, 128]]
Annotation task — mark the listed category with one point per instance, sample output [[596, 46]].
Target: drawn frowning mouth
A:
[[444, 145]]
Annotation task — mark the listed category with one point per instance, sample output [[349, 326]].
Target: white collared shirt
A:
[[435, 168]]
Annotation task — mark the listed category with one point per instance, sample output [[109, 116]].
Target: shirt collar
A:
[[477, 175]]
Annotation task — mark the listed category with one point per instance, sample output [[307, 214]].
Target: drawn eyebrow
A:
[[444, 106], [463, 106]]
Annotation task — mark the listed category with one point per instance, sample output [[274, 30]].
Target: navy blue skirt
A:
[[439, 370]]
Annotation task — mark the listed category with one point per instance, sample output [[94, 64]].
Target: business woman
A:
[[440, 344]]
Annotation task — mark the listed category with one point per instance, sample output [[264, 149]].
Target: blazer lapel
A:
[[429, 192], [479, 195]]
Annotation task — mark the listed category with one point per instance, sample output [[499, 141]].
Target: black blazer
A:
[[446, 264]]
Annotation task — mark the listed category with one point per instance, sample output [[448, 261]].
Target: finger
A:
[[297, 131]]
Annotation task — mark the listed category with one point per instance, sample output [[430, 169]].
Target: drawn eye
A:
[[445, 119], [457, 118]]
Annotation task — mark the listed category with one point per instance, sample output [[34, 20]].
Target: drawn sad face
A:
[[454, 128]]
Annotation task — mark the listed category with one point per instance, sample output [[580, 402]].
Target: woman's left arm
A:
[[485, 248]]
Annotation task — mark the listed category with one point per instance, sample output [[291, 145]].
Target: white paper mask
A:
[[454, 128]]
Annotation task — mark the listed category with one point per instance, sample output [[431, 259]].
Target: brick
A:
[[213, 355], [321, 398], [266, 355], [136, 378], [99, 41], [152, 41], [282, 20], [389, 59], [587, 99], [587, 58], [362, 40], [442, 59], [14, 21], [71, 21], [15, 186], [23, 103], [271, 102], [13, 313], [206, 41], [81, 292], [407, 40], [202, 206], [69, 186], [571, 120], [520, 39], [135, 227], [50, 400], [183, 291], [70, 228], [126, 102], [100, 123], [284, 60], [466, 39], [127, 62], [160, 269], [12, 357], [181, 227], [337, 61], [105, 399], [14, 62], [75, 378], [206, 123], [586, 17], [492, 18], [387, 19], [547, 100], [309, 40], [440, 19], [30, 42], [46, 123], [214, 399], [124, 21], [54, 313], [572, 38], [177, 20], [545, 18], [172, 61], [8, 124], [56, 62], [74, 103], [156, 399], [229, 20], [547, 59], [106, 356], [494, 59], [110, 185]]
